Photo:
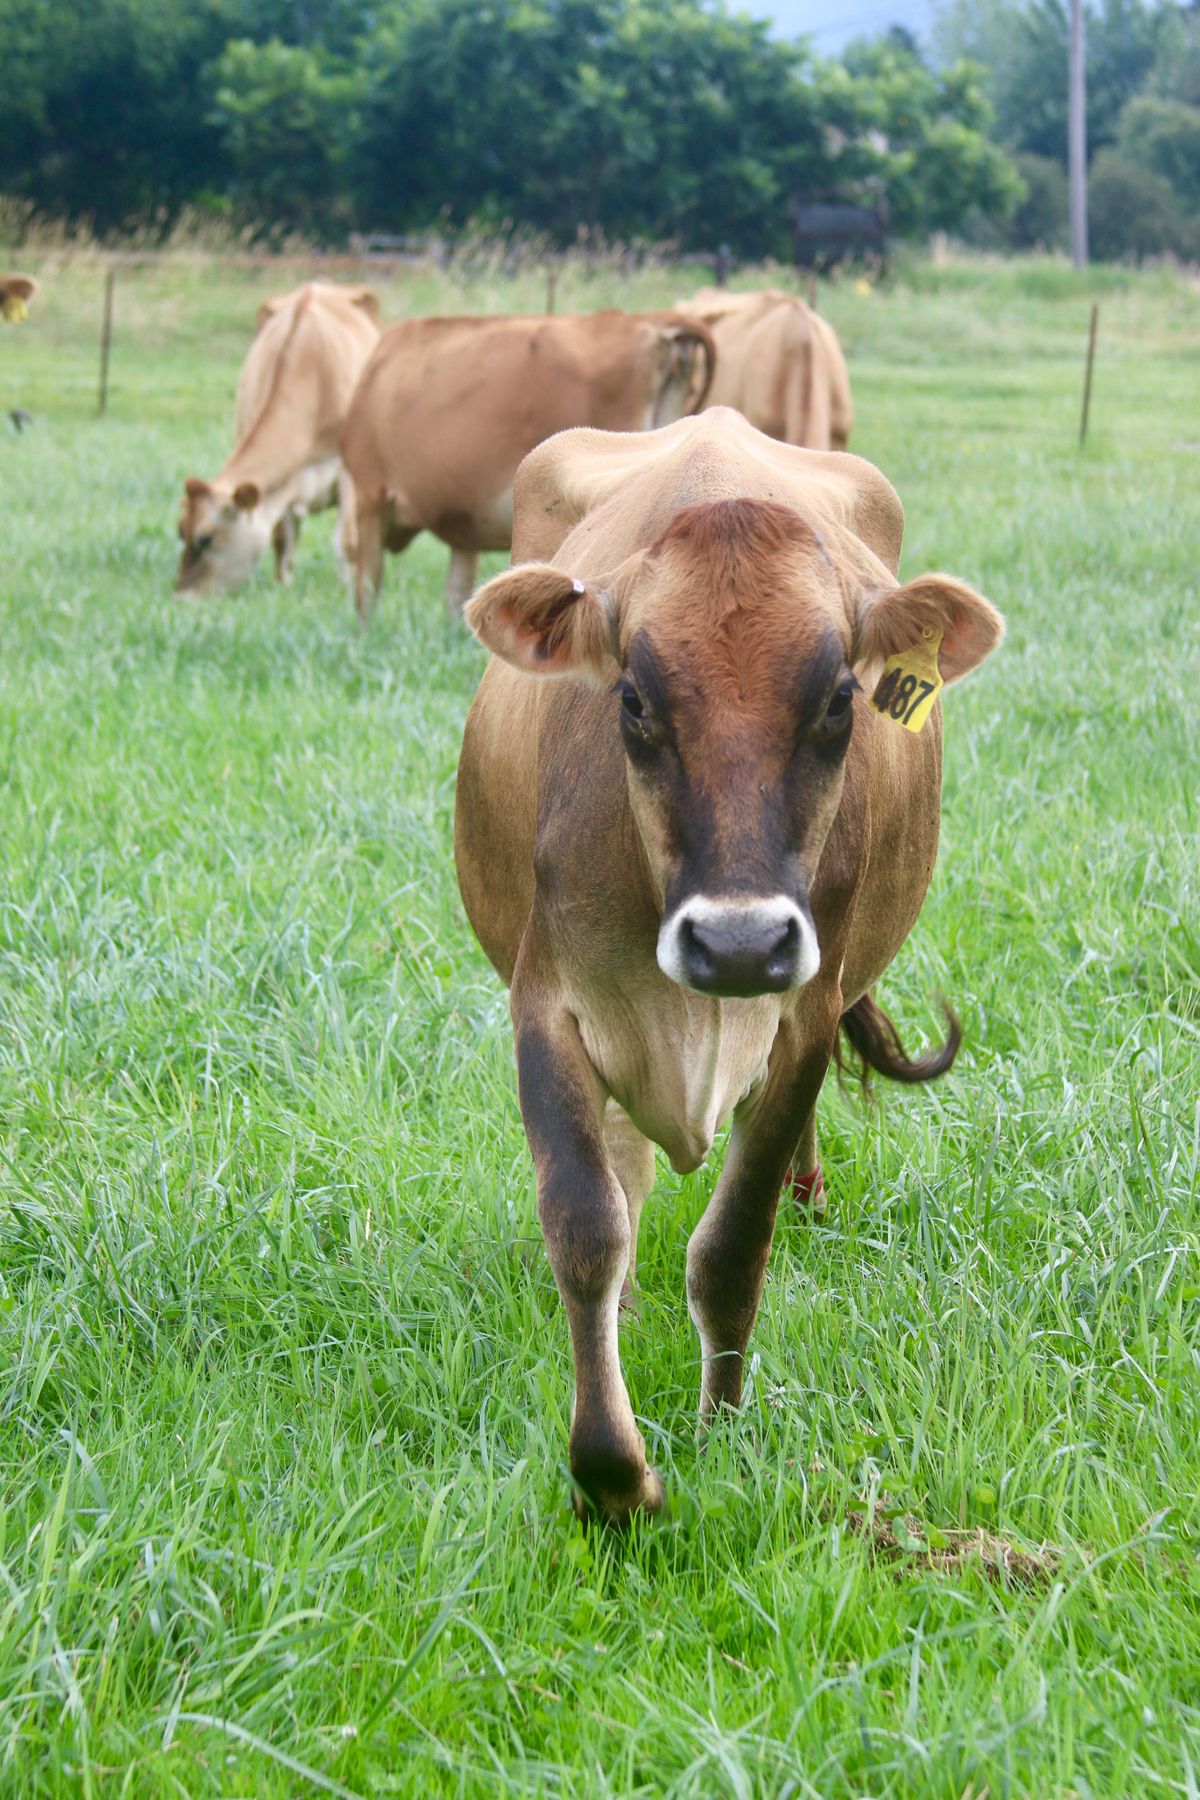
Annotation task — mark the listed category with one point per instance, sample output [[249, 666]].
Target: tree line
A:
[[1143, 117], [624, 119]]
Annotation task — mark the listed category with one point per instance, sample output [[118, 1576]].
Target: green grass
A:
[[284, 1380]]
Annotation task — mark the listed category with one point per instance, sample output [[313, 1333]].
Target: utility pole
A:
[[1077, 139]]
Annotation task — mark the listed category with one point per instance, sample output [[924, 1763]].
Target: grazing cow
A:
[[446, 409], [15, 291], [780, 364], [694, 853], [292, 397]]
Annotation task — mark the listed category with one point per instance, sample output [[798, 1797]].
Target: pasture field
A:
[[284, 1379]]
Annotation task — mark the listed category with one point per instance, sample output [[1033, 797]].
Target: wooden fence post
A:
[[1087, 377], [106, 337]]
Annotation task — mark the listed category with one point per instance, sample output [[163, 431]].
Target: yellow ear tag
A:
[[910, 683], [14, 310]]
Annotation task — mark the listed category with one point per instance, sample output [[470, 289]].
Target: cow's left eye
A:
[[631, 701]]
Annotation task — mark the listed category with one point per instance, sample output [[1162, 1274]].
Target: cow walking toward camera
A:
[[691, 845], [292, 398]]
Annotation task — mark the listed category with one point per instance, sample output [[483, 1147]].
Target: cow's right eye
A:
[[841, 703], [631, 702]]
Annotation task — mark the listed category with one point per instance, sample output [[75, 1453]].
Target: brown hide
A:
[[702, 766], [447, 408], [17, 288], [780, 364]]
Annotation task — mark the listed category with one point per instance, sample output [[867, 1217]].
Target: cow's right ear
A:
[[195, 489], [367, 301], [544, 622]]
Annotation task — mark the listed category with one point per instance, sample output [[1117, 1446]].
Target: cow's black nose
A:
[[741, 953]]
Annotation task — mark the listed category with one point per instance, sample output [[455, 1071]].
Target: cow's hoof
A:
[[807, 1192], [616, 1502]]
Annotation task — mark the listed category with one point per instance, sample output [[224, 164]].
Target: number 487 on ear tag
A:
[[910, 683]]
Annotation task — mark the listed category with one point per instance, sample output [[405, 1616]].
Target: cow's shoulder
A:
[[636, 479]]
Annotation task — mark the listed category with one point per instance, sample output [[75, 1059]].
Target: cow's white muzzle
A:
[[738, 947]]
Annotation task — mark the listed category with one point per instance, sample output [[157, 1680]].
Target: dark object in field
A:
[[694, 854], [827, 232], [1087, 373], [20, 418], [110, 282], [901, 1539]]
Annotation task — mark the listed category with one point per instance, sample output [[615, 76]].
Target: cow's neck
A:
[[276, 449]]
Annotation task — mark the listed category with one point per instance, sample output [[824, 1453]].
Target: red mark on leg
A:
[[807, 1190]]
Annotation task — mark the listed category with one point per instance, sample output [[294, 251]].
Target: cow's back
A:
[[779, 363], [447, 409], [303, 365]]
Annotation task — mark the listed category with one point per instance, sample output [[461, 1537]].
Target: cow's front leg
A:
[[632, 1159], [728, 1251], [283, 541], [585, 1221], [460, 581]]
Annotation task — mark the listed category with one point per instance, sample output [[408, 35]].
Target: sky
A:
[[829, 24]]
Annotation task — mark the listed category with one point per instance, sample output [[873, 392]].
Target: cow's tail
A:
[[877, 1044], [690, 334]]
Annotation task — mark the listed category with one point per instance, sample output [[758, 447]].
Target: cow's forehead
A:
[[756, 679], [732, 571]]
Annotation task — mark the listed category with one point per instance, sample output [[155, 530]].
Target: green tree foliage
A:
[[286, 115], [1164, 137], [651, 118], [1176, 72], [1039, 221], [936, 163], [1133, 213], [663, 119], [1143, 113], [1021, 45], [100, 112]]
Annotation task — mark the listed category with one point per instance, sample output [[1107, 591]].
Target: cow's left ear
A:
[[896, 620], [545, 622], [246, 496]]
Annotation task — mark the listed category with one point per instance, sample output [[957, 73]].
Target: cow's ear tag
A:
[[910, 683]]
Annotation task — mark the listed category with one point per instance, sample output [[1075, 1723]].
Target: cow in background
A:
[[780, 364], [292, 398], [447, 408], [15, 293], [691, 843]]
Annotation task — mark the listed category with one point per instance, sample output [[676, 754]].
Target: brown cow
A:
[[15, 291], [292, 398], [694, 853], [780, 364], [447, 408]]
